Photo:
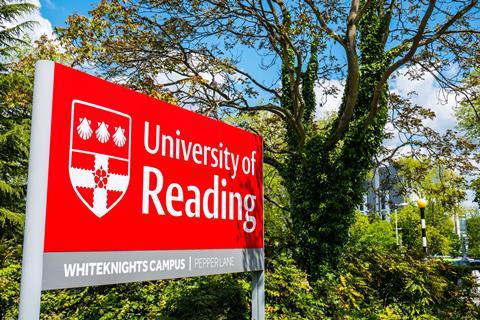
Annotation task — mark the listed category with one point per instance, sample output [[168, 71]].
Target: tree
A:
[[16, 91], [444, 190], [12, 32], [429, 179], [468, 115], [371, 233], [201, 53], [13, 126], [467, 112], [475, 185], [473, 233]]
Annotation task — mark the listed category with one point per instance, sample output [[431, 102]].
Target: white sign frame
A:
[[32, 263]]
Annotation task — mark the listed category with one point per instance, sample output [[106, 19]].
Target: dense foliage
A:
[[468, 115], [15, 94], [373, 281], [11, 30], [444, 190], [473, 234]]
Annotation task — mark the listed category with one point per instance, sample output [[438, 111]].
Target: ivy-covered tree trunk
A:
[[326, 182]]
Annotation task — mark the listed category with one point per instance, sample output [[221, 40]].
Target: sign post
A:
[[258, 295], [123, 187]]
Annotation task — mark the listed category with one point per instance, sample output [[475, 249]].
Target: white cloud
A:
[[428, 94], [468, 203], [329, 97], [424, 92], [43, 25]]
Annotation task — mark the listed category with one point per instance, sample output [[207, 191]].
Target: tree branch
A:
[[353, 78], [332, 34], [415, 41], [448, 24]]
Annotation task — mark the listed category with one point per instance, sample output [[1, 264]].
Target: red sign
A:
[[123, 187], [129, 172]]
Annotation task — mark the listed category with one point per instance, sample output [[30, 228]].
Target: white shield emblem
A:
[[99, 163]]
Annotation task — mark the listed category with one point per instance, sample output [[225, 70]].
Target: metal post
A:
[[464, 236], [397, 234], [32, 259], [424, 230], [396, 226], [258, 295]]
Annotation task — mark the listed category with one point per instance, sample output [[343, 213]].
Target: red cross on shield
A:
[[99, 165]]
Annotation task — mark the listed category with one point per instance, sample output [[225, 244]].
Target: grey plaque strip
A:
[[78, 269]]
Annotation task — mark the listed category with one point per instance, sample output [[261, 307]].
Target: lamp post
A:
[[422, 204]]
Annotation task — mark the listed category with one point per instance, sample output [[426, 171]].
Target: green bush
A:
[[289, 294], [473, 232], [375, 285], [223, 297], [203, 298], [10, 272], [371, 232]]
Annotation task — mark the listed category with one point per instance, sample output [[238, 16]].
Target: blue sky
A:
[[53, 13], [56, 11]]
